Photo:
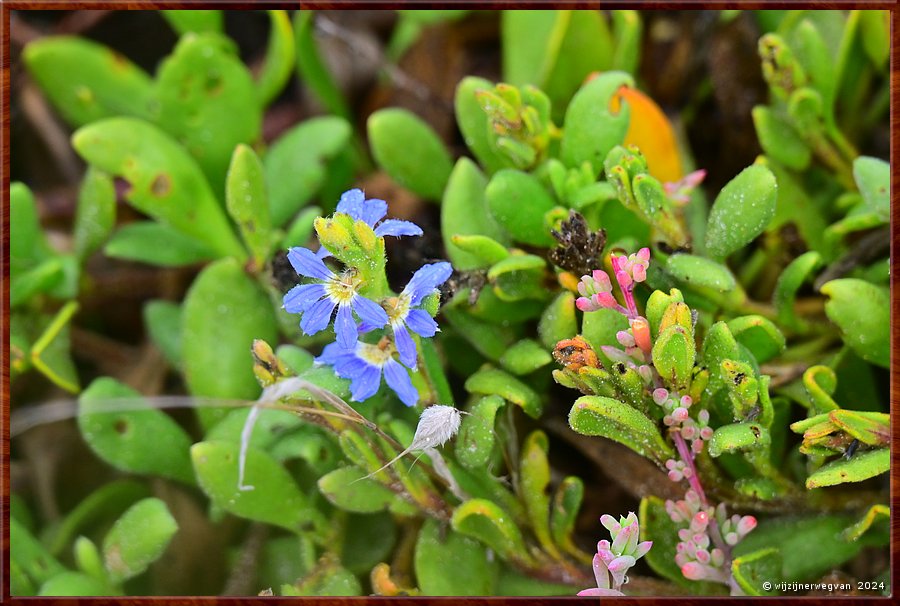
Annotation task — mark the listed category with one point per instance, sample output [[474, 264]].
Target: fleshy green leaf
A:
[[156, 244], [601, 416], [700, 272], [871, 517], [164, 181], [464, 212], [475, 441], [742, 210], [473, 123], [280, 56], [223, 312], [534, 482], [275, 498], [564, 514], [348, 489], [450, 564], [592, 129], [163, 322], [311, 68], [862, 311], [485, 521], [30, 555], [409, 150], [247, 202], [751, 571], [525, 357], [789, 282], [779, 139], [208, 101], [96, 213], [28, 245], [489, 381], [487, 250], [50, 353], [861, 467], [518, 202], [558, 320], [87, 81], [296, 164], [138, 539], [738, 436], [73, 584], [759, 335], [198, 22], [873, 177], [120, 438]]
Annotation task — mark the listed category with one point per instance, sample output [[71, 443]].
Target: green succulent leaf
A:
[[742, 210], [700, 272], [280, 56], [274, 499], [751, 571], [198, 22], [534, 482], [138, 539], [201, 87], [564, 513], [411, 152], [474, 124], [868, 522], [873, 177], [738, 437], [487, 522], [247, 202], [223, 312], [518, 202], [311, 68], [591, 129], [156, 244], [861, 467], [758, 334], [779, 139], [558, 320], [296, 164], [349, 489], [30, 556], [163, 322], [789, 282], [120, 438], [475, 441], [440, 551], [525, 357], [87, 81], [490, 381], [72, 584], [464, 212], [164, 181], [607, 417], [862, 311], [487, 250], [96, 213]]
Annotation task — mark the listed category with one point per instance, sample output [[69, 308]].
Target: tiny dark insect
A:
[[851, 449], [738, 378], [753, 413]]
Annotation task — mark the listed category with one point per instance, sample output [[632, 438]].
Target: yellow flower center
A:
[[397, 308], [342, 288], [376, 355]]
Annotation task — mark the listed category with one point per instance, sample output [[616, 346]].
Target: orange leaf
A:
[[651, 131]]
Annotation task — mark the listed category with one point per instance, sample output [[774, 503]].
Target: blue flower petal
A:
[[398, 379], [317, 317], [406, 347], [298, 299], [323, 253], [395, 227], [351, 203], [334, 355], [373, 211], [426, 279], [369, 312], [420, 322], [345, 327], [366, 383], [306, 263]]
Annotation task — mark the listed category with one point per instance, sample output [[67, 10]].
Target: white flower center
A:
[[374, 354]]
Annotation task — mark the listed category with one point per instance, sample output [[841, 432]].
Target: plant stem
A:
[[685, 453]]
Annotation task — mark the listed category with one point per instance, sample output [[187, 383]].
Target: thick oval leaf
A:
[[164, 181], [601, 416], [30, 555], [410, 151], [188, 21], [518, 202], [485, 521], [72, 584], [280, 55], [742, 210], [592, 129], [738, 436], [564, 514], [295, 165], [274, 499], [464, 212], [248, 203], [475, 441], [754, 572], [525, 357], [224, 311], [207, 101], [450, 564], [862, 311], [487, 250], [473, 123], [759, 335], [349, 489], [861, 467], [96, 213], [87, 81], [27, 244], [489, 381], [700, 272], [137, 539], [779, 139], [163, 322], [534, 483], [789, 282], [873, 177], [120, 438], [156, 244]]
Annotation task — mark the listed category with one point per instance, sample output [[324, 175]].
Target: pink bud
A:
[[688, 432], [601, 280], [668, 420], [624, 279], [699, 521], [584, 304], [640, 273], [641, 330], [660, 395], [703, 416], [625, 338], [686, 401], [746, 524], [670, 464], [680, 414], [697, 446], [644, 254], [706, 433], [693, 571], [732, 538], [702, 556], [605, 299], [718, 557]]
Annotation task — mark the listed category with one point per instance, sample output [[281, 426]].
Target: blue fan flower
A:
[[364, 365], [354, 203], [317, 301], [405, 316]]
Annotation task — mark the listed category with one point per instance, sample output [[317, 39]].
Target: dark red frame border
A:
[[8, 5]]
